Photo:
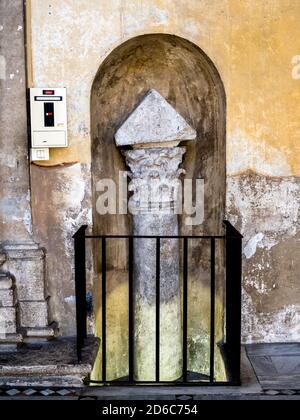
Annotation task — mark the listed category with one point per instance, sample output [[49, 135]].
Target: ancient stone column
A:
[[154, 130]]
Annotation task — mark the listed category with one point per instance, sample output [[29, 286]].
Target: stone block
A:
[[2, 258], [29, 279], [6, 282], [10, 342], [27, 263], [37, 335], [7, 298], [33, 314], [7, 321], [154, 122], [11, 339]]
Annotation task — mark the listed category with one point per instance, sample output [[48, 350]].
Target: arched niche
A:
[[187, 78]]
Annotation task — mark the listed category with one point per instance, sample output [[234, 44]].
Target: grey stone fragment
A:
[[33, 314], [39, 334], [10, 339], [8, 321], [2, 257], [7, 298], [5, 282], [17, 250], [27, 263], [154, 121]]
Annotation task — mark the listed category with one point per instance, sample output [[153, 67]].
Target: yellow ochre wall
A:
[[252, 43], [255, 45]]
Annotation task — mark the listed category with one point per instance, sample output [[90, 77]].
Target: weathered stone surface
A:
[[36, 335], [8, 321], [15, 212], [2, 257], [27, 263], [11, 339], [154, 182], [22, 250], [33, 314], [266, 211], [7, 298], [41, 332], [15, 191], [10, 342], [155, 174], [6, 282], [53, 364], [154, 122], [47, 381]]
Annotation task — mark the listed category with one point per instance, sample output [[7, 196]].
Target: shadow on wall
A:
[[185, 76]]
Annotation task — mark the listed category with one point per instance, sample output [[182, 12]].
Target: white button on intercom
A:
[[48, 109]]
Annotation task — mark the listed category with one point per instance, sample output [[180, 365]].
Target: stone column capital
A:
[[156, 163], [155, 180]]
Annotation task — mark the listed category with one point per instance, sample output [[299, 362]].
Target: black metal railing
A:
[[231, 347]]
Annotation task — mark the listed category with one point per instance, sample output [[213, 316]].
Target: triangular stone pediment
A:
[[154, 121]]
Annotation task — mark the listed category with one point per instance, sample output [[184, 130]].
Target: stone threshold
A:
[[53, 364]]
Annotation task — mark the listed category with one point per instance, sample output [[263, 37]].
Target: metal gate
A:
[[231, 347]]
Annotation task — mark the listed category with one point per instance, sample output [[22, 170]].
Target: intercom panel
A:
[[48, 109]]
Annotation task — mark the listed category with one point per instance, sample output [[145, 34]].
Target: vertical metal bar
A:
[[78, 299], [233, 302], [80, 289], [213, 310], [185, 309], [84, 301], [104, 309], [131, 312], [158, 248]]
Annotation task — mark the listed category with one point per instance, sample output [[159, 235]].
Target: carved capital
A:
[[155, 179]]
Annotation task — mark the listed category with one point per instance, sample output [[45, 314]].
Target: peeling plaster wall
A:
[[253, 45], [266, 210], [61, 204]]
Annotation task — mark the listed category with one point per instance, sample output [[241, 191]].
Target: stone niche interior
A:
[[183, 74]]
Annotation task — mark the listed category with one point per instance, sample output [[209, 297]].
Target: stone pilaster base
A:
[[26, 263], [9, 339]]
